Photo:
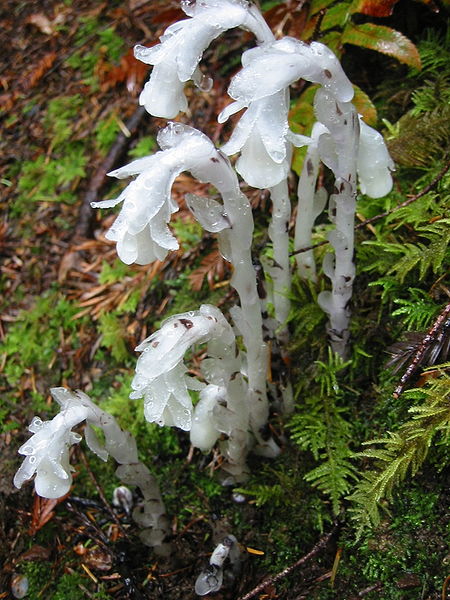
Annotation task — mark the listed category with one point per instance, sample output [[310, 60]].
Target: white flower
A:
[[47, 451], [271, 68], [141, 230], [262, 135], [177, 57], [160, 371], [374, 164]]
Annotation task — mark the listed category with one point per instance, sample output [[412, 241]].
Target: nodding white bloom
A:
[[211, 578], [47, 451], [374, 164], [177, 57], [160, 371], [273, 67], [141, 230], [262, 135]]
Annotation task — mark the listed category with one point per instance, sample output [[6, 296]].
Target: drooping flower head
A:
[[177, 57], [160, 371], [374, 163], [262, 135], [141, 230], [47, 451]]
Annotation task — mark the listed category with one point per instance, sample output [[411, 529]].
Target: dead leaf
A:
[[36, 552], [42, 22], [67, 263], [130, 70], [98, 559], [211, 267], [38, 71], [43, 512]]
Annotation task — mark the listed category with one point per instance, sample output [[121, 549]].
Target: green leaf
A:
[[384, 40], [365, 107], [336, 16], [318, 5]]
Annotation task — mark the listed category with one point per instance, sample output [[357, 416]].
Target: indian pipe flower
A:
[[160, 371], [141, 230], [177, 57], [47, 451], [262, 135]]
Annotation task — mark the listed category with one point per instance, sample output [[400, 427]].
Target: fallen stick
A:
[[85, 215]]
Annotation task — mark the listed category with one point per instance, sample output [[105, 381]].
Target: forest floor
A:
[[71, 314]]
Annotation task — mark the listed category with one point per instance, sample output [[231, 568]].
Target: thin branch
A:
[[100, 492], [425, 190], [429, 338], [322, 543], [84, 225]]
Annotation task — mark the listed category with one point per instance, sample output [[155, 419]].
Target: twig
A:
[[425, 190], [84, 225], [422, 349], [272, 580], [102, 495]]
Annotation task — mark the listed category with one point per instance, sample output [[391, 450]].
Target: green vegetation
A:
[[353, 453]]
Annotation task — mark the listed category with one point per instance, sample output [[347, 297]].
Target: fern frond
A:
[[421, 138], [408, 256], [418, 310], [320, 427], [403, 452]]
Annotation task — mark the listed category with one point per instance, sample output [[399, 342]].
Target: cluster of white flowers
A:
[[233, 407]]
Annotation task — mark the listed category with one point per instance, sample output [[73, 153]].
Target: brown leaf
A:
[[43, 512], [38, 71], [42, 22], [98, 559], [374, 8], [67, 263], [36, 552], [130, 70], [211, 266]]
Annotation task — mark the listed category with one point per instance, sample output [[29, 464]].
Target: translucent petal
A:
[[161, 234], [135, 167], [374, 163], [163, 95], [273, 125], [257, 167], [229, 110], [208, 212], [242, 131]]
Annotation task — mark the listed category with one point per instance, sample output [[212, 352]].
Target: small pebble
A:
[[19, 586]]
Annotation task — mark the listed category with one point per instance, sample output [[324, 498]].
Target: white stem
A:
[[305, 214], [239, 212], [281, 271], [342, 121]]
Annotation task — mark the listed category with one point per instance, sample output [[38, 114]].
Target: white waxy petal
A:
[[94, 444], [135, 167], [163, 95], [242, 131], [161, 234], [203, 433], [229, 110], [331, 75], [272, 123], [208, 212], [374, 163], [268, 75], [257, 167]]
